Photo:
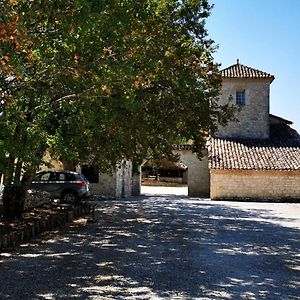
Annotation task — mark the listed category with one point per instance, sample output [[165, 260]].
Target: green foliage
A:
[[100, 80]]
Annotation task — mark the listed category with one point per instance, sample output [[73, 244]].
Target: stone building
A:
[[256, 156], [259, 155]]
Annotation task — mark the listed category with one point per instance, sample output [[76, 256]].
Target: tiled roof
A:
[[280, 152], [240, 71]]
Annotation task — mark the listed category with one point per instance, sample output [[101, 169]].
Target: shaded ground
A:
[[168, 247]]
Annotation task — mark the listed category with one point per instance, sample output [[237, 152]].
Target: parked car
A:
[[68, 186]]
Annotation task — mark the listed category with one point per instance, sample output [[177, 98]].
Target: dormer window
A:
[[240, 98]]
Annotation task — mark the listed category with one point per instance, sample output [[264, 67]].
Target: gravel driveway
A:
[[163, 247]]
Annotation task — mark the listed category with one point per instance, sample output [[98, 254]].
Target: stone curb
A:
[[60, 218]]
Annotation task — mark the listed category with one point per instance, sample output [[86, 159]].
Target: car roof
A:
[[57, 171]]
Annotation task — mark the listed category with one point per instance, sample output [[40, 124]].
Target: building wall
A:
[[198, 173], [106, 186], [254, 116], [116, 184], [242, 184]]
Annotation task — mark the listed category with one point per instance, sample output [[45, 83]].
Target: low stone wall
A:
[[171, 179], [36, 199], [59, 216], [255, 184]]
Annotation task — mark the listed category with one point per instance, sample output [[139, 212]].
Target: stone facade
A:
[[253, 117], [257, 157], [116, 184], [255, 184]]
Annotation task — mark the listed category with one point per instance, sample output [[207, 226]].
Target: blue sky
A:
[[263, 34]]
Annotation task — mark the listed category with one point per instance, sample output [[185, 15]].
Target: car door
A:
[[58, 183], [42, 181]]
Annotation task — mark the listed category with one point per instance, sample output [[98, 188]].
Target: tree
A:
[[96, 81]]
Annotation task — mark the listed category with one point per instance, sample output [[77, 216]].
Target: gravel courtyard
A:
[[163, 247]]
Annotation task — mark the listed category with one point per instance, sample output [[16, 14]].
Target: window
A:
[[45, 177], [240, 98], [62, 177]]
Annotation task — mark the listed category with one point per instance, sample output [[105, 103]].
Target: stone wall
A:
[[41, 220], [254, 116], [106, 186], [116, 184], [172, 179], [252, 184], [198, 173]]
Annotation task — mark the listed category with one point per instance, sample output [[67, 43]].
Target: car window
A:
[[45, 177], [61, 177], [70, 177]]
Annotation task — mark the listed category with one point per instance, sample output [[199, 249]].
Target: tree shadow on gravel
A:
[[160, 248]]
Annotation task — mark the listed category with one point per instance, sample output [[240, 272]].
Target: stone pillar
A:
[[198, 174], [137, 182], [127, 175]]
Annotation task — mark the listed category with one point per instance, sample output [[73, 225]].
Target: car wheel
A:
[[69, 197]]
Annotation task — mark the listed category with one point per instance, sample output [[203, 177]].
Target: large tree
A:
[[99, 80]]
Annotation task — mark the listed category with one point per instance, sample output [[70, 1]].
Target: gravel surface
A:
[[163, 247]]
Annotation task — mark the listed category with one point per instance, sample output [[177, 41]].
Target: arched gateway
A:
[[198, 173], [124, 181]]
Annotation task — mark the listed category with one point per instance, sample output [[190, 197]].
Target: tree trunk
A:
[[18, 171], [15, 192], [13, 201]]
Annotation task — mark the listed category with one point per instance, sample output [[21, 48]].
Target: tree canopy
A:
[[98, 80]]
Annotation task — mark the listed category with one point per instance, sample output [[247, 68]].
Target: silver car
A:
[[68, 186]]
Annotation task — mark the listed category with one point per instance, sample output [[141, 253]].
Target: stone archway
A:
[[198, 173]]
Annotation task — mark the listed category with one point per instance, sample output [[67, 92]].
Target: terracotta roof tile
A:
[[280, 152], [240, 71]]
